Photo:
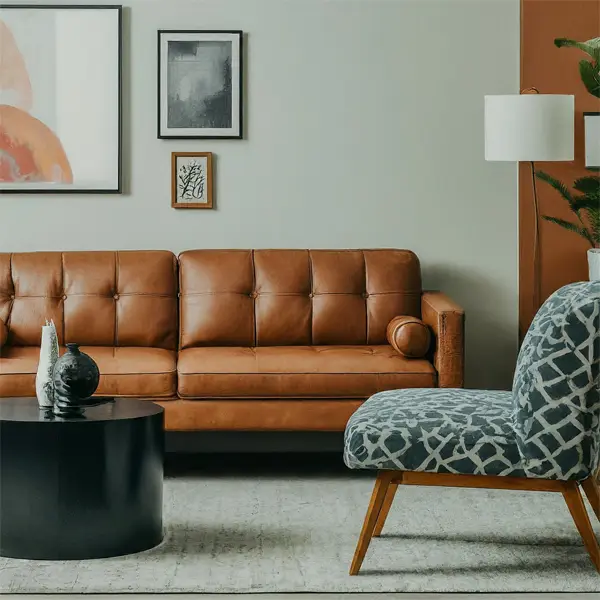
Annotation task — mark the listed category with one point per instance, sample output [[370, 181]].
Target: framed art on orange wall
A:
[[60, 99]]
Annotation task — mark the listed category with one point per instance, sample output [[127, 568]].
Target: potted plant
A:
[[584, 201]]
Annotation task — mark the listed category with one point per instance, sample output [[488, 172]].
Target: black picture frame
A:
[[119, 183], [240, 80]]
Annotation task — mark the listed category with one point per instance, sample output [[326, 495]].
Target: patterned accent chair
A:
[[542, 436]]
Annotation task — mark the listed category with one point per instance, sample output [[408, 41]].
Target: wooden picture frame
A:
[[191, 180]]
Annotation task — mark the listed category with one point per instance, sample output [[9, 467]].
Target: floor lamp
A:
[[530, 127]]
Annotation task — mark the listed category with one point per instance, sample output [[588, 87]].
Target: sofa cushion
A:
[[124, 299], [468, 432], [409, 336], [134, 372], [298, 372], [294, 297]]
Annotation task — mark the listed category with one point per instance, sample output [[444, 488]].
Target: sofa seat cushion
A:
[[466, 432], [297, 372], [131, 371]]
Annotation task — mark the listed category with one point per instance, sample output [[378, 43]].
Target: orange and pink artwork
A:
[[29, 150], [60, 99]]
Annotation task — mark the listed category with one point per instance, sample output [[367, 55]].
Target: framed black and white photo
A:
[[60, 99], [191, 180], [199, 84]]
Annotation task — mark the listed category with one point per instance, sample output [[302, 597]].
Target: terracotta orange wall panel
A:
[[553, 71]]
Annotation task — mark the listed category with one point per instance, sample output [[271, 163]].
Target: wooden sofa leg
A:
[[377, 498], [385, 509], [574, 500], [592, 491]]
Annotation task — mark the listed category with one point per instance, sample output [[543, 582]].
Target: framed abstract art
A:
[[199, 84], [60, 99], [191, 180]]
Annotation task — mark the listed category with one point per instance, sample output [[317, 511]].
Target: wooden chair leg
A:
[[592, 491], [377, 498], [574, 500], [385, 509]]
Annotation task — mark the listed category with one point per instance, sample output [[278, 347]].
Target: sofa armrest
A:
[[447, 320], [3, 333]]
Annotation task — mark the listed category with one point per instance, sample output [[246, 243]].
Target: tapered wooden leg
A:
[[377, 498], [592, 491], [385, 509], [574, 500]]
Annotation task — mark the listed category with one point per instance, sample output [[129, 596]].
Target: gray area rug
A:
[[248, 532]]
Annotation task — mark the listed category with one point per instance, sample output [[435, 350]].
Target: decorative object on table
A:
[[191, 180], [584, 202], [200, 84], [76, 377], [60, 83], [517, 129], [44, 383], [591, 123], [541, 436]]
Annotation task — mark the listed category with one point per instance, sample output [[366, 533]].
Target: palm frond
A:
[[560, 187], [582, 231], [588, 185], [585, 203]]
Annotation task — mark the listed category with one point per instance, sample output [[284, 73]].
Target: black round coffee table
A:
[[80, 488]]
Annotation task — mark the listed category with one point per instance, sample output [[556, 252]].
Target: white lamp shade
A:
[[529, 127]]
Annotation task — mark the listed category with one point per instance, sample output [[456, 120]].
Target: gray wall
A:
[[364, 128]]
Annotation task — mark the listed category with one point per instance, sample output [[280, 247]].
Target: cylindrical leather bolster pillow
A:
[[3, 333], [409, 336]]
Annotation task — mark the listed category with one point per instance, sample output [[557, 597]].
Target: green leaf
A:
[[591, 47], [585, 203], [588, 185], [582, 231], [560, 187], [590, 75]]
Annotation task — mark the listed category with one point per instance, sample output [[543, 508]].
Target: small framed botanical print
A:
[[191, 180], [199, 84]]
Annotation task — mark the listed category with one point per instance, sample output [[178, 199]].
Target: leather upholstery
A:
[[409, 336], [295, 297], [258, 415], [125, 372], [267, 339], [95, 298], [3, 333], [447, 321], [298, 371]]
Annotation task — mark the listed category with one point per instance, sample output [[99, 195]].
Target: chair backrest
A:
[[556, 391]]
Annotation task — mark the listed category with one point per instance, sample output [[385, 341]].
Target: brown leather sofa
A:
[[235, 339]]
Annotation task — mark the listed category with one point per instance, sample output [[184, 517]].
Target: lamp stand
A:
[[536, 244]]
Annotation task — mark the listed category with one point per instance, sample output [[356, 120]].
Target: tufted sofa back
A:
[[94, 298], [294, 297], [556, 389]]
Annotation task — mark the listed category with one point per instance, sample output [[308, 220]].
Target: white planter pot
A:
[[44, 388], [594, 263]]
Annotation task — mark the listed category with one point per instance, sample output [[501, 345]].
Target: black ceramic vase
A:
[[76, 377]]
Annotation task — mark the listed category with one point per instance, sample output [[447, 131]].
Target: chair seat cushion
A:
[[125, 372], [467, 432], [297, 372]]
